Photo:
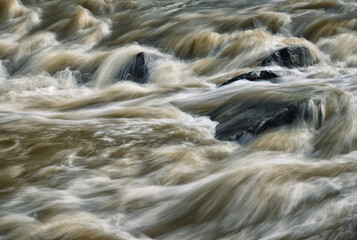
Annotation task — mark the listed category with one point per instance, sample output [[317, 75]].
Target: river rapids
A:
[[90, 149]]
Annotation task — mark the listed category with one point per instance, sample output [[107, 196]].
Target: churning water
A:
[[86, 155]]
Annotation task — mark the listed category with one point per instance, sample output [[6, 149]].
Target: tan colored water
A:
[[85, 157]]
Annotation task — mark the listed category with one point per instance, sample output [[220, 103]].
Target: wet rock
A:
[[245, 124], [8, 66], [243, 117], [138, 68], [253, 76], [290, 57], [82, 77]]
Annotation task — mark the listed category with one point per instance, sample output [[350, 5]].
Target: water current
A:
[[90, 150]]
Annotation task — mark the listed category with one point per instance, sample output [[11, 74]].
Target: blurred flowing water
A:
[[83, 156]]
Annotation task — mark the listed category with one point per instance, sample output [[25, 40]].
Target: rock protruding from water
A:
[[290, 57], [246, 120], [253, 76], [136, 69], [246, 115]]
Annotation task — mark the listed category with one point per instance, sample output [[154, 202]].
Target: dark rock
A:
[[253, 76], [137, 69], [246, 115], [252, 121], [290, 57]]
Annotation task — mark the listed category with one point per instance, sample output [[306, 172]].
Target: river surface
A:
[[84, 156]]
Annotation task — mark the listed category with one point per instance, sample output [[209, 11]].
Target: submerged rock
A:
[[8, 65], [290, 57], [246, 115], [253, 76], [138, 68], [82, 77]]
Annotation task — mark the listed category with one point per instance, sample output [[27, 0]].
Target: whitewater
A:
[[138, 119]]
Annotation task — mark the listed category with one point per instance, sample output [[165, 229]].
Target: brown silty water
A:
[[91, 150]]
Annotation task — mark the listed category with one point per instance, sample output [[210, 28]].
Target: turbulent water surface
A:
[[86, 155]]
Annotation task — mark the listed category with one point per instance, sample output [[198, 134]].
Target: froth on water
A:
[[153, 120]]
